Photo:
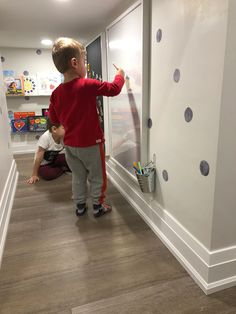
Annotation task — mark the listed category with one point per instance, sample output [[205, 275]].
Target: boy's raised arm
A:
[[113, 88]]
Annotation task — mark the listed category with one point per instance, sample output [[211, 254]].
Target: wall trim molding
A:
[[212, 270], [23, 149], [6, 203]]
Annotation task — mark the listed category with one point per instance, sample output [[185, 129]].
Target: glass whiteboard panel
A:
[[125, 51]]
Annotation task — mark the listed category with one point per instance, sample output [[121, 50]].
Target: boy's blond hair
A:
[[63, 50]]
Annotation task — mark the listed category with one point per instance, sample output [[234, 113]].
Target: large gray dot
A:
[[159, 35], [204, 168], [26, 73], [165, 175], [188, 114], [149, 123], [2, 59], [27, 97], [176, 75], [37, 137], [39, 51]]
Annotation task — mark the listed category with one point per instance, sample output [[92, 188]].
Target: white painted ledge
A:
[[6, 203]]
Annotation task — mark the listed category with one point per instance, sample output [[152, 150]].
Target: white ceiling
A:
[[24, 23]]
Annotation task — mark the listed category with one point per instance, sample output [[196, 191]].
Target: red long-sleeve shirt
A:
[[73, 104]]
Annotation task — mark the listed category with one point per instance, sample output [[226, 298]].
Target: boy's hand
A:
[[120, 72], [33, 180]]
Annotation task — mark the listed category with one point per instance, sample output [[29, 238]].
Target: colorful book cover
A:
[[47, 82], [37, 124], [10, 115], [23, 114], [30, 85], [45, 112], [13, 85], [19, 125]]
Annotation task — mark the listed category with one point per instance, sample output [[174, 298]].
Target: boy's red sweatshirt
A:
[[73, 104]]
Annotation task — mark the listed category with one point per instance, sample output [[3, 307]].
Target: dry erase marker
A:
[[139, 167], [115, 66]]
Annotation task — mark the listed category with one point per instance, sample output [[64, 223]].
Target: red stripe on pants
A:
[[104, 175]]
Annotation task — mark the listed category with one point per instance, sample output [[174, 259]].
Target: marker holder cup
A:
[[147, 181]]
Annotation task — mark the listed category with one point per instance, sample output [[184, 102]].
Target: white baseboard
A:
[[6, 203], [23, 149], [211, 270]]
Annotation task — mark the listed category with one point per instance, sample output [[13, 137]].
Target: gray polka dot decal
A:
[[165, 175], [39, 51], [176, 75], [188, 114], [204, 168], [27, 98], [159, 35], [149, 123], [26, 73], [37, 137], [0, 110], [2, 59]]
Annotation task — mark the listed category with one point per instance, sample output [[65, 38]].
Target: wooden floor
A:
[[56, 263]]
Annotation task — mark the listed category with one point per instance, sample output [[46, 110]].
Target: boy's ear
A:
[[73, 62]]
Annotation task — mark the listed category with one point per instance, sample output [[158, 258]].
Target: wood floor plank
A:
[[177, 296], [55, 263]]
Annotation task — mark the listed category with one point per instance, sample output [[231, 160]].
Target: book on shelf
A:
[[45, 112], [37, 124], [19, 125], [23, 114], [14, 85]]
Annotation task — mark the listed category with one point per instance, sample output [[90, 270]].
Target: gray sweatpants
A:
[[87, 163]]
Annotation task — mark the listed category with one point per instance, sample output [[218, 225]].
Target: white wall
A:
[[9, 175], [5, 152], [20, 60], [193, 41], [224, 218]]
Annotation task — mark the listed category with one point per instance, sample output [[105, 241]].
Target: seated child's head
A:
[[69, 55], [57, 130]]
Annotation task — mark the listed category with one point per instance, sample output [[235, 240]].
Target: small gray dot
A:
[[2, 59], [26, 73], [37, 137], [159, 35], [188, 114], [149, 123], [204, 168], [176, 75], [39, 51], [165, 175], [0, 110], [27, 97]]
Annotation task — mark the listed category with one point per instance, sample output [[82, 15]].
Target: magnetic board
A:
[[94, 70], [124, 49]]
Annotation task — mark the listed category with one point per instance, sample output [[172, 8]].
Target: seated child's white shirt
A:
[[47, 142]]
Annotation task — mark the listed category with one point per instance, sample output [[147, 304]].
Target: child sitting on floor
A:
[[49, 160]]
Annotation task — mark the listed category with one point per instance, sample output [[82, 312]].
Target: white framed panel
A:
[[128, 133]]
